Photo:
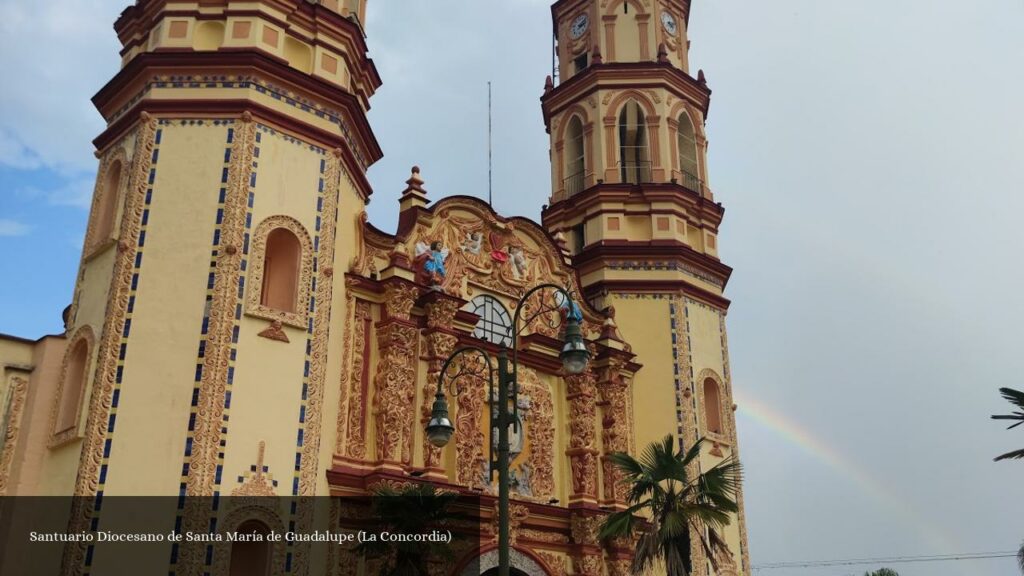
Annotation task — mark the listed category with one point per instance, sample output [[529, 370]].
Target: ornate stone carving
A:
[[724, 399], [14, 408], [440, 344], [256, 483], [555, 562], [116, 154], [87, 482], [541, 432], [582, 412], [587, 565], [62, 437], [274, 332], [395, 383], [255, 509], [469, 420], [400, 298], [356, 441], [517, 514], [257, 261], [616, 425], [585, 529], [210, 409], [620, 567]]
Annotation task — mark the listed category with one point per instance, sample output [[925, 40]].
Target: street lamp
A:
[[574, 356]]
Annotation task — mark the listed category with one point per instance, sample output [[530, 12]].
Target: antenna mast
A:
[[490, 169]]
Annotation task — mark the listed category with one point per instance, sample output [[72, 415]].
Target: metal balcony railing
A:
[[574, 184], [635, 171], [692, 182]]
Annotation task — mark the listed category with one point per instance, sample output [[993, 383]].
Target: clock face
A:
[[669, 22], [579, 26]]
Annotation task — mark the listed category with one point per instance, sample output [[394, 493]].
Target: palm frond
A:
[[621, 523], [1015, 397], [1020, 558], [1015, 455]]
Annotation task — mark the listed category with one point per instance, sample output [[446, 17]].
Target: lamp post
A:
[[574, 356]]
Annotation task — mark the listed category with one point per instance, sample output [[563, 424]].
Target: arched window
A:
[[687, 144], [251, 556], [281, 271], [634, 160], [72, 388], [575, 156], [106, 210], [495, 324], [712, 406]]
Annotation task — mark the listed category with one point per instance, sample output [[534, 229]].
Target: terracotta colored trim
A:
[[602, 287], [628, 212], [145, 66], [234, 109], [664, 249], [663, 75], [634, 194]]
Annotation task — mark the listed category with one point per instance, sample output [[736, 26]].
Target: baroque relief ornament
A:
[[87, 482]]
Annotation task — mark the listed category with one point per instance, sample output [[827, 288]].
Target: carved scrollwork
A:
[[257, 263], [15, 408], [395, 385]]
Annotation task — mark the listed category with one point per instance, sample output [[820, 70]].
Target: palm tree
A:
[[676, 506], [1020, 558], [1016, 398], [883, 572], [410, 510]]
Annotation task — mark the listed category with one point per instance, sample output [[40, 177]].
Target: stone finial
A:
[[549, 84], [414, 194], [595, 56], [701, 79], [662, 53]]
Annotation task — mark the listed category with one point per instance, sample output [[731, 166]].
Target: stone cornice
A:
[[598, 197], [625, 75], [598, 254], [133, 80], [311, 23]]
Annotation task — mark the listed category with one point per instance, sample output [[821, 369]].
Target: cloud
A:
[[60, 52], [13, 228], [76, 193], [15, 154]]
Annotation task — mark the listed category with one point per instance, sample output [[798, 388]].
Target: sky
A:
[[869, 157]]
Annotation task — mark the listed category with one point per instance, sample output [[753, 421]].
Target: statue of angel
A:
[[429, 262]]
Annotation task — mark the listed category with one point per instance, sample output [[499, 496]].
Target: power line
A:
[[888, 560]]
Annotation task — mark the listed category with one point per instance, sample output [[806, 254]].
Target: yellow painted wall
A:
[[644, 323], [160, 362]]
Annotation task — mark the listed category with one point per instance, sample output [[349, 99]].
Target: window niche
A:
[[281, 268], [575, 157], [712, 400], [686, 141], [66, 410], [634, 156], [104, 219]]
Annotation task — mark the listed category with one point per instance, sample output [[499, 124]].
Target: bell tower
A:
[[232, 178], [631, 197]]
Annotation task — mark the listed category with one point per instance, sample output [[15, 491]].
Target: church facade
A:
[[238, 327]]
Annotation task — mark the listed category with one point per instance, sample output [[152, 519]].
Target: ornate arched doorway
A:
[[487, 564]]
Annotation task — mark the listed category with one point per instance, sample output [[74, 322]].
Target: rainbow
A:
[[796, 435]]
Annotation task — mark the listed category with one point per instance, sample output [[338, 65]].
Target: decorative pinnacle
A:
[[662, 52], [549, 84], [415, 183], [595, 56], [414, 194]]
